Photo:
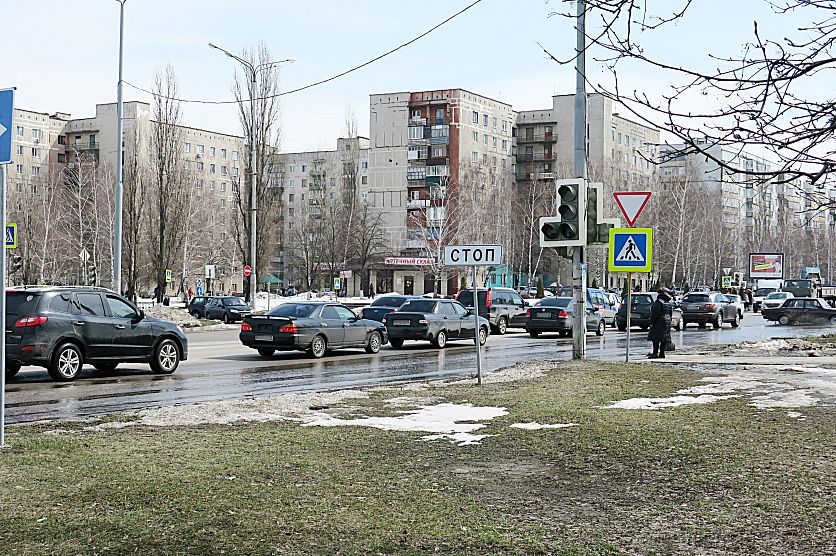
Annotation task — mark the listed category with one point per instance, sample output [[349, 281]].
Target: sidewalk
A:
[[828, 360]]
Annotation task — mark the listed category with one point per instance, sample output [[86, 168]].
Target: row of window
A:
[[488, 139], [631, 141], [187, 148], [201, 167], [199, 185], [475, 121], [474, 158]]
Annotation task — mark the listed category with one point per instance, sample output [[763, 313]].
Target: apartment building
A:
[[423, 146]]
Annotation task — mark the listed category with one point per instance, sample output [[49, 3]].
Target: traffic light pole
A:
[[579, 252]]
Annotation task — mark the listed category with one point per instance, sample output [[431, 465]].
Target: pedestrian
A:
[[371, 290], [191, 292], [661, 314]]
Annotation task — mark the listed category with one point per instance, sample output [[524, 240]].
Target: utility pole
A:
[[117, 210], [579, 252]]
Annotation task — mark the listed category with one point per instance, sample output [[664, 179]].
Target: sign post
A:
[[631, 250], [473, 256], [6, 123]]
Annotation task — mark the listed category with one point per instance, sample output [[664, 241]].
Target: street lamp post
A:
[[117, 205], [252, 70]]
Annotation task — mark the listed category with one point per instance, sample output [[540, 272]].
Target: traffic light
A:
[[572, 210], [597, 227], [91, 275], [15, 263]]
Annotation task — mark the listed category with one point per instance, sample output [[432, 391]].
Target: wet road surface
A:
[[220, 368]]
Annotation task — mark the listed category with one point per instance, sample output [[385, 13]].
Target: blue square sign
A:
[[7, 108], [631, 250]]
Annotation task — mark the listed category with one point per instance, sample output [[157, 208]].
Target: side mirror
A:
[[140, 316]]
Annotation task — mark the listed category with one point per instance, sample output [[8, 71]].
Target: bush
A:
[[594, 283], [463, 282]]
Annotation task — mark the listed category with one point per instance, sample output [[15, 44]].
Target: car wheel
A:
[[622, 327], [483, 336], [533, 333], [833, 320], [502, 326], [266, 352], [12, 369], [718, 321], [701, 325], [563, 333], [166, 357], [106, 367], [318, 347], [373, 345], [195, 314], [679, 325], [601, 328], [226, 319], [644, 327], [440, 340], [784, 320], [736, 322], [397, 344], [66, 362]]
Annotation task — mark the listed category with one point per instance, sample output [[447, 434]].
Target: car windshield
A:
[[701, 298], [299, 310], [642, 300], [760, 292], [733, 298], [390, 301], [228, 301], [778, 295], [555, 302], [466, 297], [21, 303], [418, 306]]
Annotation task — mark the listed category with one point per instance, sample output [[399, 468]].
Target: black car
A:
[[436, 320], [61, 328], [640, 305], [555, 314], [383, 305], [312, 326], [709, 307], [227, 308], [801, 310], [503, 307], [197, 306]]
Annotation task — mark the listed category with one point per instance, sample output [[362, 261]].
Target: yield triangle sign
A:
[[631, 203], [630, 252]]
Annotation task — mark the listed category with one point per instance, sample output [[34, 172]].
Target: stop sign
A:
[[248, 270]]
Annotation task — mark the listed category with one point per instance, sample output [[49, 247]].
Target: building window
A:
[[304, 182], [62, 158], [304, 168], [234, 155], [364, 195], [200, 149], [475, 117], [439, 151], [333, 182], [485, 120], [20, 150], [485, 137], [223, 187], [36, 170], [416, 113], [504, 145], [20, 131], [504, 163], [199, 166], [416, 132], [494, 121], [19, 169], [290, 197], [223, 203], [211, 151], [235, 171], [493, 160], [292, 169], [619, 137], [504, 125], [211, 168], [187, 147], [212, 185], [62, 140], [364, 180], [439, 116], [475, 136], [199, 184], [364, 165], [223, 154], [235, 187], [494, 141], [290, 211], [36, 135], [474, 157], [224, 170], [484, 158]]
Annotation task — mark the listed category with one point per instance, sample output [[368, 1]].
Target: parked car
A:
[[640, 312], [312, 326], [737, 301], [227, 308], [503, 307], [382, 305], [775, 300], [801, 310], [434, 320], [709, 307], [555, 314], [62, 328], [759, 295], [197, 306]]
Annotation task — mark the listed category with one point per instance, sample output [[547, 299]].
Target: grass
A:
[[719, 478]]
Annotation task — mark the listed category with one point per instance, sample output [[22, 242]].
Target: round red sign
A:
[[247, 270]]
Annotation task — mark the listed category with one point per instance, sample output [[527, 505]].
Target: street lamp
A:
[[117, 204], [252, 71]]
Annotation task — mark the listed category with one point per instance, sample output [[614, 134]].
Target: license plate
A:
[[401, 323], [635, 316], [693, 308], [264, 338], [544, 315]]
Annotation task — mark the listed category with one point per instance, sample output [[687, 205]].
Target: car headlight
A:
[[233, 310]]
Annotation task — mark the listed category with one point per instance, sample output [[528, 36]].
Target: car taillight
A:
[[528, 313], [290, 328], [562, 313], [423, 321], [246, 327], [488, 299], [30, 321], [710, 305]]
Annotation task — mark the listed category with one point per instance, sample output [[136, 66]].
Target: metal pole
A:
[[3, 310], [579, 253], [253, 200], [476, 330], [117, 205], [629, 310]]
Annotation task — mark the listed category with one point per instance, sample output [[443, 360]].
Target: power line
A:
[[317, 83]]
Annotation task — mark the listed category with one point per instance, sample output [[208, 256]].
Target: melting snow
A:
[[659, 403], [538, 426], [445, 420]]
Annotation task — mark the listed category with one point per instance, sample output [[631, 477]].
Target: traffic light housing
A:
[[597, 227], [15, 263], [571, 207], [91, 276]]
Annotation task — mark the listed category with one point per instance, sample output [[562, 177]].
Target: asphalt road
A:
[[219, 367]]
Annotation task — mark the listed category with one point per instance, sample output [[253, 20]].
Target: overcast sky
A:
[[62, 56]]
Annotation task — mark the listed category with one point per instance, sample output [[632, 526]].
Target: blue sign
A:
[[7, 109], [11, 236], [198, 290], [631, 250]]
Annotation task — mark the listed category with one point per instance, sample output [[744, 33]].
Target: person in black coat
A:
[[661, 314]]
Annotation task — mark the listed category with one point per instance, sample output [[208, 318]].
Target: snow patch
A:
[[444, 420], [660, 403], [538, 426], [796, 415]]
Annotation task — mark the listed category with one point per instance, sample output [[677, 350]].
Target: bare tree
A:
[[169, 192], [368, 240], [136, 182]]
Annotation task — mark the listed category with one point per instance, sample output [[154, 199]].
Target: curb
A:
[[210, 328]]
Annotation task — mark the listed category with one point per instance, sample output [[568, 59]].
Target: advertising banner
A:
[[766, 265]]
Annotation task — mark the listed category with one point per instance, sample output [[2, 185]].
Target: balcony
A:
[[417, 121], [415, 244], [417, 204], [85, 145], [535, 157], [534, 176], [537, 138]]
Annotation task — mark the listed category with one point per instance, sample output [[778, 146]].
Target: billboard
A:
[[766, 265]]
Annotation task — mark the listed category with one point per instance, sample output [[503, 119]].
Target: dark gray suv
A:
[[61, 328], [503, 307]]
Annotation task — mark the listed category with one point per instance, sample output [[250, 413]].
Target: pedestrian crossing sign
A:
[[631, 250]]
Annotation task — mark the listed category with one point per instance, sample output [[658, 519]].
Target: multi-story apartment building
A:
[[424, 147]]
